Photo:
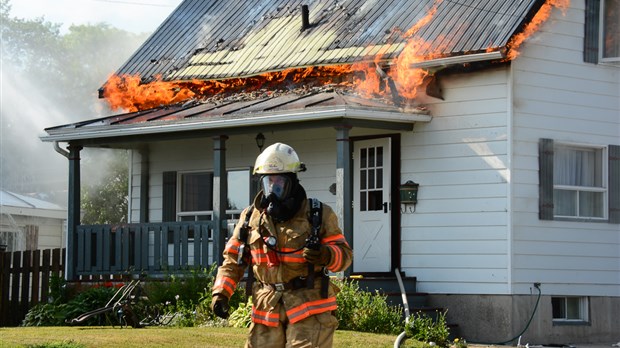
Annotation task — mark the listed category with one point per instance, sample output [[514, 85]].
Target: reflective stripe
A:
[[310, 308], [265, 318], [336, 263], [297, 257], [227, 284], [258, 256], [232, 247], [337, 238]]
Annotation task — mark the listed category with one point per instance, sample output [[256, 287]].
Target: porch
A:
[[137, 248]]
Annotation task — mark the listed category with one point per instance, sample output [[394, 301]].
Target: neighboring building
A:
[[518, 159], [28, 223]]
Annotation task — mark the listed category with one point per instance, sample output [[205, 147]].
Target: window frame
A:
[[231, 214], [545, 182], [583, 307], [601, 36], [604, 189]]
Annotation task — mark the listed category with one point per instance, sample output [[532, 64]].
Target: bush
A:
[[364, 311], [55, 314], [424, 328]]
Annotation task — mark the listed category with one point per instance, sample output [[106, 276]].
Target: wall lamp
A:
[[260, 141], [408, 196]]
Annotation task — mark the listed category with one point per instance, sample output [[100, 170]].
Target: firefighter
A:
[[293, 299]]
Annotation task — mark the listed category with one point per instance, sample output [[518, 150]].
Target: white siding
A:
[[558, 96], [457, 240]]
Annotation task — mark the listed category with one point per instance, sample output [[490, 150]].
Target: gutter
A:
[[267, 119], [455, 60]]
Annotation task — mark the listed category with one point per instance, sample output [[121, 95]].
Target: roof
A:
[[17, 204], [314, 107], [222, 39]]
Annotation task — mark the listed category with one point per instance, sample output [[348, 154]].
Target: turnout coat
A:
[[272, 270]]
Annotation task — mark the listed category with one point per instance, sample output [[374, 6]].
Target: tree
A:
[[51, 78], [105, 201]]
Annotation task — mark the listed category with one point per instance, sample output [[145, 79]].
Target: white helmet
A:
[[278, 159]]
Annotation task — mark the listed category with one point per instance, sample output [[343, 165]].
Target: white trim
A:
[[601, 39], [244, 120], [454, 60]]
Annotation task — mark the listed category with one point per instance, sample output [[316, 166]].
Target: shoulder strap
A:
[[243, 232], [315, 215], [243, 235]]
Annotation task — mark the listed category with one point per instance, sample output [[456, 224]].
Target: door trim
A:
[[395, 153]]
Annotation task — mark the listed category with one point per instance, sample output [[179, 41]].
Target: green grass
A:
[[106, 336]]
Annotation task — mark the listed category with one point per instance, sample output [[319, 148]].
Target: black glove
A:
[[220, 306], [320, 256]]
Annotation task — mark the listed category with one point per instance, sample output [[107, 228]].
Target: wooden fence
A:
[[25, 281]]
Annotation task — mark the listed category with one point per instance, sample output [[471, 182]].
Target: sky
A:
[[137, 16]]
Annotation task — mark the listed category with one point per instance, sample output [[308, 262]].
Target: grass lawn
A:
[[106, 336]]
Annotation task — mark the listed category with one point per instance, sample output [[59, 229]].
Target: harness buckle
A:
[[279, 286]]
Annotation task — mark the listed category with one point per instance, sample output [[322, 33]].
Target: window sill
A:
[[580, 219], [562, 322]]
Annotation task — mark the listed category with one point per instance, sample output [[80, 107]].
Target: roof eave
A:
[[243, 120]]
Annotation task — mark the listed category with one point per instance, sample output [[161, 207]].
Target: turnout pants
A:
[[315, 331]]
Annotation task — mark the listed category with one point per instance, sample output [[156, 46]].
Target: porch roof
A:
[[239, 113]]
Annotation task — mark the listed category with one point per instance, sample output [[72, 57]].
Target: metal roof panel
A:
[[223, 39]]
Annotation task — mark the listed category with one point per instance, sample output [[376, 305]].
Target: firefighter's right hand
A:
[[220, 306]]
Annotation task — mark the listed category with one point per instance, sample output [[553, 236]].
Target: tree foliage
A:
[[51, 77], [105, 201]]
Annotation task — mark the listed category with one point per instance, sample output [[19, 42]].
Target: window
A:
[[569, 309], [578, 182], [610, 30], [602, 31], [195, 195]]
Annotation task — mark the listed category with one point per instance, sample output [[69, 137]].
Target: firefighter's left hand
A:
[[320, 257]]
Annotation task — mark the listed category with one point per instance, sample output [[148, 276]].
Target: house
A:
[[28, 223], [510, 127]]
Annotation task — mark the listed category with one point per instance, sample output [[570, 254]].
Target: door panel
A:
[[372, 230]]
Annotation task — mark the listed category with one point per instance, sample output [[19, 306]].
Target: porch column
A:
[[73, 210], [144, 184], [220, 194], [344, 185]]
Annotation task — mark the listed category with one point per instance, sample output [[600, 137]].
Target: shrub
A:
[[364, 311], [424, 328], [55, 314], [242, 315]]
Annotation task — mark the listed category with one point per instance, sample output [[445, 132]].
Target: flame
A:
[[367, 78], [534, 25]]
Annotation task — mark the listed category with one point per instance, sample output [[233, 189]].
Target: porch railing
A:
[[154, 248]]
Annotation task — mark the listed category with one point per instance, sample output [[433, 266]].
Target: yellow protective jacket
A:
[[291, 236]]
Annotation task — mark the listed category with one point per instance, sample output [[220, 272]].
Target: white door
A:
[[371, 223]]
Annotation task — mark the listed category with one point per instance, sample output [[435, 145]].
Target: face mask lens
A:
[[279, 185]]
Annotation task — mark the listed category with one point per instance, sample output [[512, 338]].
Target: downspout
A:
[[60, 150]]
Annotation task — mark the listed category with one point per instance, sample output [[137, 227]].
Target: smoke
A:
[[26, 164], [34, 99]]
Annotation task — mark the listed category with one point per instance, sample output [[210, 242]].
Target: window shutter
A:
[[591, 35], [614, 184], [169, 196], [545, 179]]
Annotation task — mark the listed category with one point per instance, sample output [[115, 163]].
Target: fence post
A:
[[5, 263]]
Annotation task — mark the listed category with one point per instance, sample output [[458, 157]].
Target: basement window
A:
[[569, 309]]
